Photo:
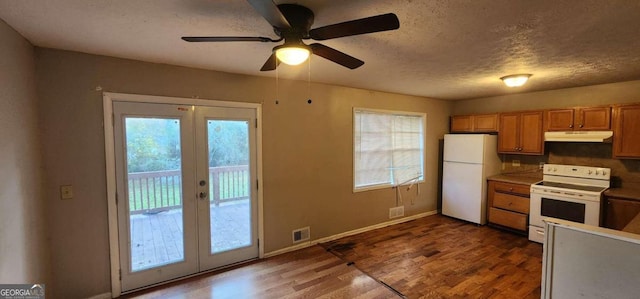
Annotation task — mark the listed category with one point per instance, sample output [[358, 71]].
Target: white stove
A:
[[567, 192]]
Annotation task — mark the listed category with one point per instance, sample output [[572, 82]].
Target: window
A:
[[388, 148]]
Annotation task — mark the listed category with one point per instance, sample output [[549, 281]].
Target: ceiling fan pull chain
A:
[[277, 91], [309, 81]]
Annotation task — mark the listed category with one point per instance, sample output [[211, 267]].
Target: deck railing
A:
[[155, 191]]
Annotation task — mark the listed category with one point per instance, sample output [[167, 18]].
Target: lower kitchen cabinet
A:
[[619, 212], [509, 205]]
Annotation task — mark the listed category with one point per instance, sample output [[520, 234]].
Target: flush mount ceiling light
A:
[[292, 54], [515, 80]]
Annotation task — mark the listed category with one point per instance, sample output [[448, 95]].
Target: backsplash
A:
[[623, 172]]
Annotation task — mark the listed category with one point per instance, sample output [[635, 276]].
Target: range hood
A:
[[579, 136]]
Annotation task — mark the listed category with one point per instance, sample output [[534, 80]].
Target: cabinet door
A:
[[485, 123], [620, 212], [626, 126], [461, 123], [531, 142], [508, 135], [560, 120], [596, 118]]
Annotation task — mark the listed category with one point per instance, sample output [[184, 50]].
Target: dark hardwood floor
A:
[[308, 273], [432, 257], [440, 257]]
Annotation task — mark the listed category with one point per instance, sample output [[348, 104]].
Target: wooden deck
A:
[[432, 257], [157, 238]]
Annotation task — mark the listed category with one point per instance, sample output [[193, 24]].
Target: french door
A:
[[186, 189]]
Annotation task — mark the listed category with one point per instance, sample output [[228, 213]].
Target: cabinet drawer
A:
[[511, 202], [512, 188], [510, 219]]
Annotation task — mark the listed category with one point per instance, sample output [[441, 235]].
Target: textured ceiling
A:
[[447, 49]]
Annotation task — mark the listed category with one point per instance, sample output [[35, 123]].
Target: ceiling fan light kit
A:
[[515, 80], [292, 23], [292, 54]]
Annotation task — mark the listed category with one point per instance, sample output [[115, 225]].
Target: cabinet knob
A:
[[510, 189], [571, 126], [581, 125]]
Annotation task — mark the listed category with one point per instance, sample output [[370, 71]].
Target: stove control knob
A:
[[597, 172], [555, 169], [604, 172], [590, 171]]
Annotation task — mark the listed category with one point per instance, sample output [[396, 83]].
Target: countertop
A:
[[632, 193], [526, 178]]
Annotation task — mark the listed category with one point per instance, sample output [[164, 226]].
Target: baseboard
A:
[[348, 233], [101, 296]]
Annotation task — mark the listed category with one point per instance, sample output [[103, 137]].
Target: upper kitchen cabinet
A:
[[626, 132], [581, 119], [521, 133], [461, 123], [480, 123]]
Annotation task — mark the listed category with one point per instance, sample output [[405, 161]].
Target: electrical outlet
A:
[[541, 165], [515, 163], [396, 212], [66, 192]]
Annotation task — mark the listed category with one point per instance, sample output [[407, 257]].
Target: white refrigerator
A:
[[468, 160]]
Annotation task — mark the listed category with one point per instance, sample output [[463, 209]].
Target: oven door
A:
[[548, 204]]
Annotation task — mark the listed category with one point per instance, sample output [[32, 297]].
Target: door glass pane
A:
[[154, 184], [229, 188]]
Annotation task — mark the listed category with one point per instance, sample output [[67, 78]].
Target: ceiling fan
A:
[[292, 23]]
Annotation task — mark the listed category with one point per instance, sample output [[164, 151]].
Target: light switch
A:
[[66, 192]]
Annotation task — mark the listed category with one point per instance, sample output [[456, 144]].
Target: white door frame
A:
[[110, 160]]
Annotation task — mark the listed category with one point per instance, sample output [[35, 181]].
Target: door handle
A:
[[203, 195]]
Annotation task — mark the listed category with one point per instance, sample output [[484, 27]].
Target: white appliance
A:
[[567, 192], [468, 160]]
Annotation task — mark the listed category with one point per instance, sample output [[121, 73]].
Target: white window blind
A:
[[388, 148]]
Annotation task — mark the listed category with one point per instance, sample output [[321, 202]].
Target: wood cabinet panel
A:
[[508, 204], [594, 118], [480, 123], [508, 135], [461, 123], [485, 123], [523, 190], [626, 130], [521, 133], [560, 120], [579, 119], [619, 212], [511, 202], [531, 141], [509, 219]]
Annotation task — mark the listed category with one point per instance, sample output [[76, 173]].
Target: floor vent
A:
[[301, 234]]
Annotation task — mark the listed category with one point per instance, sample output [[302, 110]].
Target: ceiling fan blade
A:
[[361, 26], [336, 56], [271, 64], [228, 39], [269, 10]]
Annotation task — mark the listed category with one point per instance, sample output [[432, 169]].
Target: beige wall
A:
[[623, 92], [24, 256], [307, 150]]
